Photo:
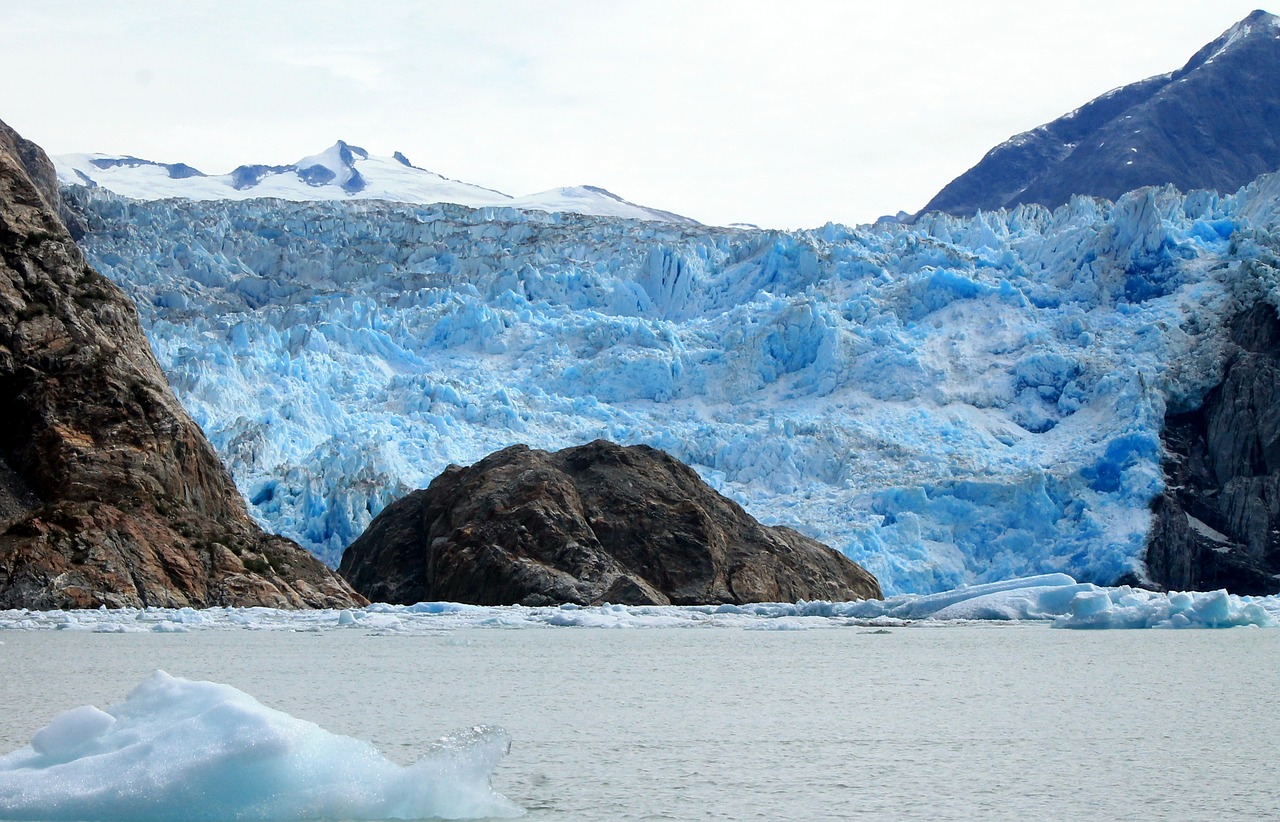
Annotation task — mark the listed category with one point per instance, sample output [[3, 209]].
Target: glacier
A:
[[955, 402], [178, 749]]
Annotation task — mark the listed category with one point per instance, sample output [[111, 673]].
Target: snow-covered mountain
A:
[[1212, 124], [340, 172], [958, 401]]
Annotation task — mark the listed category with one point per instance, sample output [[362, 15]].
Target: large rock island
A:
[[592, 524], [109, 492]]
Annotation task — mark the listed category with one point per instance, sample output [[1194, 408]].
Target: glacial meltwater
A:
[[1012, 721]]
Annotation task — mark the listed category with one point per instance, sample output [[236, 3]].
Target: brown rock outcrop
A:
[[109, 492], [592, 524]]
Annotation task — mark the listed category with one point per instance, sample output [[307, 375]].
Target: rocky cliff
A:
[[590, 524], [109, 493], [1218, 523], [1212, 124]]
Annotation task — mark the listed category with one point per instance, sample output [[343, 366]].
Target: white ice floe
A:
[[182, 750], [1056, 599]]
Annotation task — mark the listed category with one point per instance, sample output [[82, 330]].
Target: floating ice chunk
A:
[[183, 750], [381, 622], [979, 601], [1126, 607], [1031, 602]]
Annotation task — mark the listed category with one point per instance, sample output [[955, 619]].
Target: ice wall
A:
[[957, 402]]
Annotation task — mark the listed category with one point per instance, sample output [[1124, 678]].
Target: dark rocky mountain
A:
[[592, 524], [1218, 524], [1213, 124], [109, 493]]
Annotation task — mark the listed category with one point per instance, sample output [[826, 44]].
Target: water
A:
[[973, 722]]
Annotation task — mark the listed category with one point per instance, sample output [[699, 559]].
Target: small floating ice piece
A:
[[1125, 607], [183, 750]]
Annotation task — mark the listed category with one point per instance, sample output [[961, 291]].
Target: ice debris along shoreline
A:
[[1055, 599], [177, 749], [956, 402]]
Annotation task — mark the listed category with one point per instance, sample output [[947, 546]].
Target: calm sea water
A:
[[998, 722]]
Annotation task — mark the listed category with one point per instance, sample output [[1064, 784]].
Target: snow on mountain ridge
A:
[[591, 200], [342, 171], [958, 401]]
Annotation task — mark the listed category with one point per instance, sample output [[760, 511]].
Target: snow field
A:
[[340, 172]]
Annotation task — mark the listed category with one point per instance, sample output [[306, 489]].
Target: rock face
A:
[[592, 524], [1218, 525], [109, 493], [1214, 123]]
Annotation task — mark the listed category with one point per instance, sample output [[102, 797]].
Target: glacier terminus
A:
[[958, 401]]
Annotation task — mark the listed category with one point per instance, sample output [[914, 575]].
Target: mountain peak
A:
[[335, 165], [1259, 19], [349, 153], [1209, 125], [1257, 25]]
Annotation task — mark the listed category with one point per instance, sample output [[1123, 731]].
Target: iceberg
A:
[[1128, 608], [177, 749]]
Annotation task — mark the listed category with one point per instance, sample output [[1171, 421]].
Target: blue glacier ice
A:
[[957, 402]]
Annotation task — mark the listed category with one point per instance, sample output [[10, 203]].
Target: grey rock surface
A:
[[1218, 524]]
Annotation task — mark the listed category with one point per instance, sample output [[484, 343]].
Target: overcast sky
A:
[[783, 114]]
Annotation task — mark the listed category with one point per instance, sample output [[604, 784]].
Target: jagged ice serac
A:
[[957, 402]]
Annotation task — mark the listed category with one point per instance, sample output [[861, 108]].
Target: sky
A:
[[784, 115]]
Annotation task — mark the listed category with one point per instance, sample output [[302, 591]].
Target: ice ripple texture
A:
[[176, 749], [952, 403]]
